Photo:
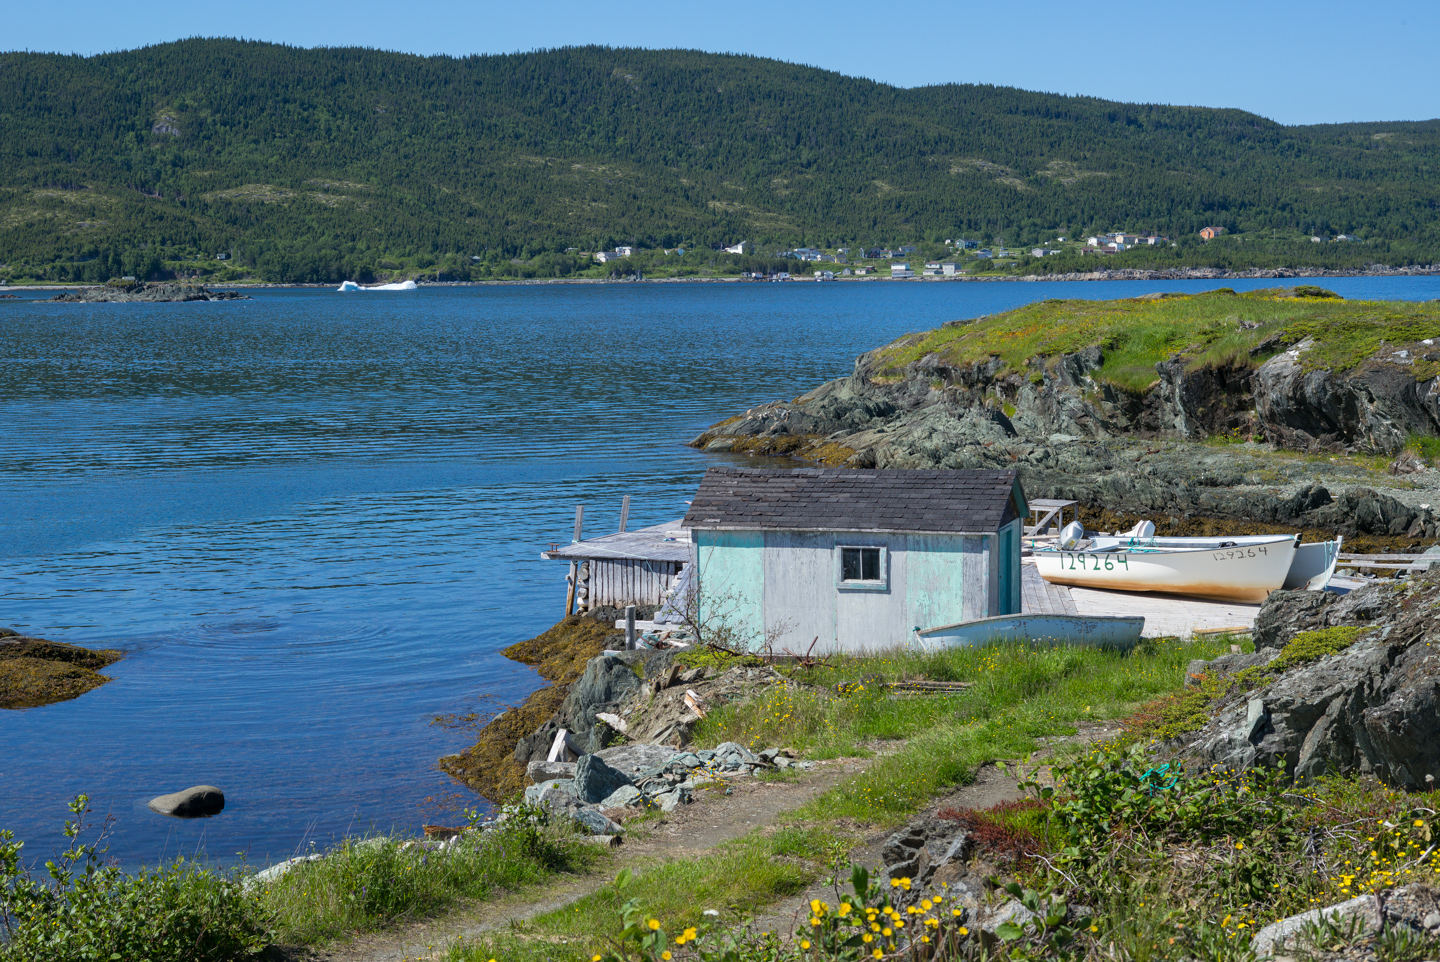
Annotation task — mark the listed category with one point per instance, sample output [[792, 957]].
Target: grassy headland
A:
[[1216, 329]]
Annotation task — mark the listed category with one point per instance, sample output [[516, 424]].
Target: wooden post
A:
[[574, 565], [629, 627], [624, 513]]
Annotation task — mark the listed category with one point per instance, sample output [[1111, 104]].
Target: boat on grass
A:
[[1097, 631], [1241, 569]]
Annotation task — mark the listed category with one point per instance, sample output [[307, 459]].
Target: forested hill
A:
[[318, 163]]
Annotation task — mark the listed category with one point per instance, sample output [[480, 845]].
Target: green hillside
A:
[[330, 163]]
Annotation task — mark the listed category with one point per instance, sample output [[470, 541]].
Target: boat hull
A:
[[1314, 565], [1245, 573], [1041, 629]]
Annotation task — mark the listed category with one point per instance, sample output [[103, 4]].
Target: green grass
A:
[[923, 744], [1214, 329], [371, 884]]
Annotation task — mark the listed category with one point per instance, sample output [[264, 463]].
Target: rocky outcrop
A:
[[930, 409], [35, 672], [146, 292], [1370, 709]]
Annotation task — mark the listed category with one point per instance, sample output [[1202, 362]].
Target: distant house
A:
[[901, 269], [1317, 240], [738, 248], [931, 271], [932, 265], [950, 269], [624, 251], [862, 270], [857, 559], [984, 254], [966, 245], [907, 249], [1346, 237], [222, 257], [606, 257], [846, 272], [824, 275], [1210, 233], [1041, 251]]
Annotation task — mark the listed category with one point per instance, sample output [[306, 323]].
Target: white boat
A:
[[1041, 629], [1314, 565], [1244, 569], [352, 286]]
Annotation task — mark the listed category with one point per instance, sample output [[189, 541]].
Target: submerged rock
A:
[[201, 801]]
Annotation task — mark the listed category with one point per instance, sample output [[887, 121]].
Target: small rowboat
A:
[[1244, 569], [1314, 565], [1041, 629]]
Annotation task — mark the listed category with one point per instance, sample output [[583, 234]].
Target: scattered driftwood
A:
[[929, 686]]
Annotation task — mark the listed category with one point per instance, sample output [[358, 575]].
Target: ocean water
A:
[[311, 520]]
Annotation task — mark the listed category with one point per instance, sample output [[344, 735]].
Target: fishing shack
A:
[[853, 559]]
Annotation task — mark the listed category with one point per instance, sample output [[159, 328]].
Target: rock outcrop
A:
[[1372, 708], [147, 292], [35, 672]]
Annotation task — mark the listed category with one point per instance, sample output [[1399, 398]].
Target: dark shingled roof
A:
[[832, 499]]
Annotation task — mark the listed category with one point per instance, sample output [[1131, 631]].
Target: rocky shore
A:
[[142, 292]]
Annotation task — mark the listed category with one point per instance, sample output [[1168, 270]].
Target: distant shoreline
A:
[[1124, 274]]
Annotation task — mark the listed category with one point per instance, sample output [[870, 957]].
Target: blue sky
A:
[[1323, 61]]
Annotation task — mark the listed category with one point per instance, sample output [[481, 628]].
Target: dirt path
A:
[[714, 819]]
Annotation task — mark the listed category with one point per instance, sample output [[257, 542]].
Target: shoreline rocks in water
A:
[[201, 801], [36, 672], [145, 292]]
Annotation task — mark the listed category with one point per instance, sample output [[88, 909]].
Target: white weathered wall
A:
[[783, 585]]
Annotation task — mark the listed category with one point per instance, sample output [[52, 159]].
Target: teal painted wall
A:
[[934, 580], [732, 583]]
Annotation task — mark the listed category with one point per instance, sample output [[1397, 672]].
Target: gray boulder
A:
[[597, 822], [596, 780], [539, 772], [621, 797], [201, 801], [632, 759], [1372, 709], [1287, 933], [1287, 613]]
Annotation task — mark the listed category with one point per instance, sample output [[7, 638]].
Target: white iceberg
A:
[[402, 286]]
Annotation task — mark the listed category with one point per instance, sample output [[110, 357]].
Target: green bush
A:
[[86, 910]]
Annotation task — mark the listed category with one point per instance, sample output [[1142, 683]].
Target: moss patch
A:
[[489, 766], [1310, 645], [36, 672]]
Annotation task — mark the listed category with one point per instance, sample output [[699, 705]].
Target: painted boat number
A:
[[1237, 554], [1097, 561]]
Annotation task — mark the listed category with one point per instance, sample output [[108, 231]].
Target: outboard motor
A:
[[1143, 531], [1071, 535]]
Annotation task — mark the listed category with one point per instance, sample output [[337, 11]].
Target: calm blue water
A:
[[312, 519]]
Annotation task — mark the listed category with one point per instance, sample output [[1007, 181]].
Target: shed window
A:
[[859, 564], [861, 567]]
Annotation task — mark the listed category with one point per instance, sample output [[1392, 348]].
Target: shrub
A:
[[1310, 645], [88, 910]]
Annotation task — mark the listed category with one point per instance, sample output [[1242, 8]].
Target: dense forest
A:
[[331, 163]]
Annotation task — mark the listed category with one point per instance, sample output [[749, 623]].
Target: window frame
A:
[[881, 584]]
